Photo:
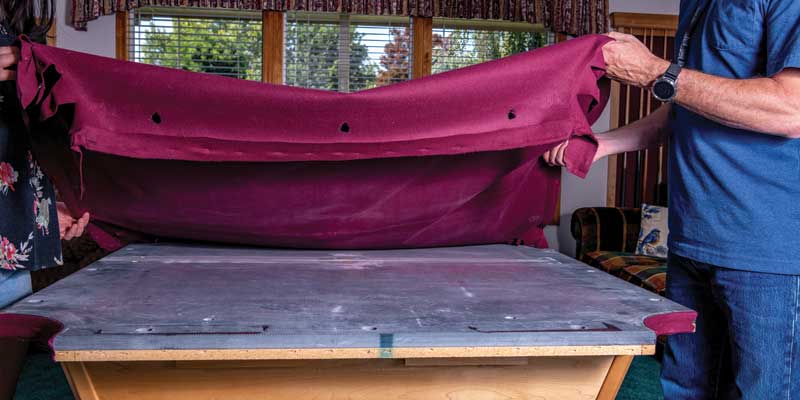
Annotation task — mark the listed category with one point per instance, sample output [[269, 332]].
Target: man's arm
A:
[[768, 105], [639, 135]]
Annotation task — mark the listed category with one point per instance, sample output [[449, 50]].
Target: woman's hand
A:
[[556, 157], [9, 57], [69, 227]]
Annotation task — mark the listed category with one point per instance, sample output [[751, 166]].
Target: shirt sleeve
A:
[[783, 35]]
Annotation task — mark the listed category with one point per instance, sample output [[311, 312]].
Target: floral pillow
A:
[[653, 234]]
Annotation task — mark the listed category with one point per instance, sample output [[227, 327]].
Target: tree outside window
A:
[[331, 54]]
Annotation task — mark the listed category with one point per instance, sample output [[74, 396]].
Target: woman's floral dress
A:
[[29, 237]]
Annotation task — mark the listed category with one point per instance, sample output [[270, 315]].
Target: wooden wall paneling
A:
[[646, 185], [637, 177], [632, 172], [614, 103], [634, 23], [618, 167]]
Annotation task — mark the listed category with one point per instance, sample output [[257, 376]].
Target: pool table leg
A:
[[80, 381], [616, 374]]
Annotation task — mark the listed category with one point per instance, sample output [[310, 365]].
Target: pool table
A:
[[188, 321]]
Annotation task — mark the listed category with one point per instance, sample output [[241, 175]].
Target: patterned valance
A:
[[574, 17]]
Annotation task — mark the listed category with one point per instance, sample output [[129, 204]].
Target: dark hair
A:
[[29, 17]]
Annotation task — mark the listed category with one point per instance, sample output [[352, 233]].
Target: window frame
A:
[[345, 23], [236, 17], [274, 22]]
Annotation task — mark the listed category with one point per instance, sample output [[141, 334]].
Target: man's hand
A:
[[629, 61], [69, 227], [9, 56]]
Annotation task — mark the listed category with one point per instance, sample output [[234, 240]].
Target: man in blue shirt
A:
[[733, 120]]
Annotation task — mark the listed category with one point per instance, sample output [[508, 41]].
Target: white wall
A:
[[577, 193], [99, 38]]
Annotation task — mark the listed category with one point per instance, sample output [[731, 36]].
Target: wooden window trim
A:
[[123, 21], [422, 47], [273, 29], [272, 25]]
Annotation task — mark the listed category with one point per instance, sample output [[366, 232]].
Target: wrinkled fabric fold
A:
[[451, 159]]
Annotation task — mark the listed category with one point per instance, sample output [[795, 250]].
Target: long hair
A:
[[29, 17]]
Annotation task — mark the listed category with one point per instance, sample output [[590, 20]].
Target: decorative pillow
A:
[[653, 234]]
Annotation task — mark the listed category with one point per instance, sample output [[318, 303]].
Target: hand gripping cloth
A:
[[451, 159]]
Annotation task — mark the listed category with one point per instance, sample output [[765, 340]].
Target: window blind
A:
[[227, 44], [459, 44], [327, 51], [346, 53]]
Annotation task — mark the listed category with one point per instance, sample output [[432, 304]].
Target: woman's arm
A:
[[9, 56], [68, 227], [639, 135]]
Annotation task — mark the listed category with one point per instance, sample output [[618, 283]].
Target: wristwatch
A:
[[665, 87]]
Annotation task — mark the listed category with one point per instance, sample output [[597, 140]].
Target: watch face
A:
[[663, 90]]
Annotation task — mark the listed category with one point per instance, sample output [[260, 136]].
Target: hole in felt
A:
[[512, 114], [156, 117], [345, 127]]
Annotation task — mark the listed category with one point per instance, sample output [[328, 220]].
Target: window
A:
[[328, 51], [345, 53], [227, 44], [458, 43]]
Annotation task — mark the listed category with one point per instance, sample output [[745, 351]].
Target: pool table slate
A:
[[489, 300]]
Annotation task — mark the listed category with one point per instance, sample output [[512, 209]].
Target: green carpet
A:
[[42, 379], [642, 381]]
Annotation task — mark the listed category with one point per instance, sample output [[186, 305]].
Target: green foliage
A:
[[462, 47], [233, 48], [312, 53], [217, 46]]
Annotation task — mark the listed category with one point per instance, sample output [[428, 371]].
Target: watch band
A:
[[673, 71]]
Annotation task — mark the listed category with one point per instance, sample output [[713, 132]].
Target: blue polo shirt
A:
[[734, 195]]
